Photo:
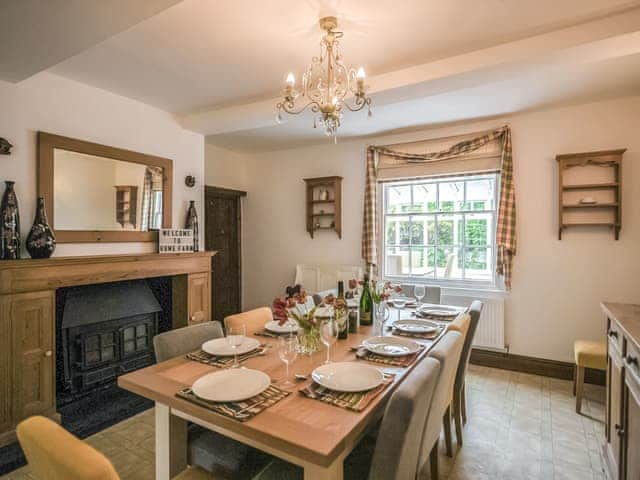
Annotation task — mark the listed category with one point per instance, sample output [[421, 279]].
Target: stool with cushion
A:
[[207, 449], [588, 354], [55, 454]]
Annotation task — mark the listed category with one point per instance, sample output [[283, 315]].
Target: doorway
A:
[[223, 233]]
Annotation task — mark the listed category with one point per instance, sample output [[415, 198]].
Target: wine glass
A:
[[329, 335], [235, 337], [399, 303], [419, 292], [288, 352]]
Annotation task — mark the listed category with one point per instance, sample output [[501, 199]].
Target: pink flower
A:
[[353, 284]]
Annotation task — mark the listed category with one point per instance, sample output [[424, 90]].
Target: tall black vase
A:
[[192, 223], [9, 224], [40, 242]]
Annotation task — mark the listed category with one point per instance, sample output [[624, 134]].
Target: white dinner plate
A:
[[232, 385], [220, 346], [415, 326], [391, 346], [275, 327], [439, 310], [347, 376]]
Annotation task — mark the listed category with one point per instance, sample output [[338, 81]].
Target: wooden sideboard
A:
[[622, 428], [28, 311]]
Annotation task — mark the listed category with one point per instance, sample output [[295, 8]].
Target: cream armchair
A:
[[320, 278]]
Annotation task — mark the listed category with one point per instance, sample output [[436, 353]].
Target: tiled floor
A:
[[520, 427]]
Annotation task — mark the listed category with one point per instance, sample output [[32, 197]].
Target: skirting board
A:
[[536, 366]]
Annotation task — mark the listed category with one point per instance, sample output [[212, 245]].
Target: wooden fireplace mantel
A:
[[28, 317], [18, 276]]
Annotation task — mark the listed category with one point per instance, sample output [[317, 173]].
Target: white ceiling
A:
[[37, 34], [220, 65]]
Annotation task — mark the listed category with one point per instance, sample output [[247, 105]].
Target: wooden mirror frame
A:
[[47, 142]]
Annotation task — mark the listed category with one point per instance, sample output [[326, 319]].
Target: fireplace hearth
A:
[[105, 330]]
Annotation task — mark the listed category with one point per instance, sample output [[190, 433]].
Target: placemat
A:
[[243, 410], [405, 361], [357, 401], [421, 336], [221, 361]]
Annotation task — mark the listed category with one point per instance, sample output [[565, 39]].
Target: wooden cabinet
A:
[[621, 452], [199, 295], [28, 363]]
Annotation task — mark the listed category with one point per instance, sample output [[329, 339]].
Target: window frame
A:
[[382, 187]]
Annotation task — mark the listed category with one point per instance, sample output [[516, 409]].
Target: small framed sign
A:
[[175, 240]]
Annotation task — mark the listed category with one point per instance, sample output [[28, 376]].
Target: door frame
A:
[[210, 190]]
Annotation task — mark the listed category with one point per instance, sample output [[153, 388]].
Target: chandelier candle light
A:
[[325, 85]]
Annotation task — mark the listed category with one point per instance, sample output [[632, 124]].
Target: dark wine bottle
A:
[[366, 304], [342, 313]]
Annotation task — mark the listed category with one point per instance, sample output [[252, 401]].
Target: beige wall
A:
[[557, 285], [57, 105], [225, 168]]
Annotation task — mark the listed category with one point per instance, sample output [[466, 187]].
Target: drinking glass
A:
[[235, 337], [329, 335], [398, 304], [288, 352], [419, 292]]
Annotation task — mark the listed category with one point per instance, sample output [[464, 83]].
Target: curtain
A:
[[153, 177], [506, 221]]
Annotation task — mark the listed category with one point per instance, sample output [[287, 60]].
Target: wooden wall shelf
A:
[[317, 218], [600, 175]]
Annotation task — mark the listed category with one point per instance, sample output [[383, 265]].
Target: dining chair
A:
[[207, 449], [395, 454], [55, 454], [447, 351], [432, 292], [254, 319]]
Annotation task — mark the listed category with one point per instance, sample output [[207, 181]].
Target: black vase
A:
[[40, 242], [9, 224], [192, 223]]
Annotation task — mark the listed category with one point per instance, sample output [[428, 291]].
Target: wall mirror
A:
[[96, 193]]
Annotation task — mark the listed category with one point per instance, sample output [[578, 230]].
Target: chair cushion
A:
[[590, 354]]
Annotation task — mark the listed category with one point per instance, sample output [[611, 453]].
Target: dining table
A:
[[314, 435]]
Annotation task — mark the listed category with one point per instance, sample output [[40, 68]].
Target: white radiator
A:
[[490, 332]]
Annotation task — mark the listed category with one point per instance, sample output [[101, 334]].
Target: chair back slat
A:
[[181, 341], [252, 319]]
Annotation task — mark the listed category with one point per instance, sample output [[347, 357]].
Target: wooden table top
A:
[[627, 315], [308, 429]]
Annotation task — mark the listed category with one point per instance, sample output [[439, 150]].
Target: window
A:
[[440, 229]]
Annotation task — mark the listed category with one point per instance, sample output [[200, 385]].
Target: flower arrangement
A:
[[294, 306]]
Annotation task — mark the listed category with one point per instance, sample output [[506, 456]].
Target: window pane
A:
[[404, 230], [424, 230], [398, 199], [392, 230], [450, 229], [480, 194], [422, 260], [478, 264], [425, 198], [479, 229], [447, 263], [451, 196], [397, 261], [418, 234]]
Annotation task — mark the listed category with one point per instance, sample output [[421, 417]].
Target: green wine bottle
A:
[[366, 304], [342, 313]]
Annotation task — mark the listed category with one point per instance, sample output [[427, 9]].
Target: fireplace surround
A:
[[28, 318]]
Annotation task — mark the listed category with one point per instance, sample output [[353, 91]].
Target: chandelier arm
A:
[[289, 107], [359, 104]]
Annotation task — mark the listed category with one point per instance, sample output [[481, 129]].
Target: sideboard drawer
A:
[[615, 335], [632, 358]]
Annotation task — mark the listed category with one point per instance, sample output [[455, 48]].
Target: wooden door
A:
[[223, 234], [613, 452], [199, 297], [632, 425], [32, 323]]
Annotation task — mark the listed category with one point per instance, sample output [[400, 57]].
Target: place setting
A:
[[273, 329], [442, 313], [229, 351], [389, 350], [416, 328]]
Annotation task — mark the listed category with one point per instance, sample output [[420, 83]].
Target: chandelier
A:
[[325, 85]]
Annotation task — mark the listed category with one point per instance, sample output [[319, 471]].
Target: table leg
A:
[[332, 472], [171, 443]]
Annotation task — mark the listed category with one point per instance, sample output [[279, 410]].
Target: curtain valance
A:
[[464, 156]]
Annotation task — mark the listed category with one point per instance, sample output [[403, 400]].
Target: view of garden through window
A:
[[440, 228]]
